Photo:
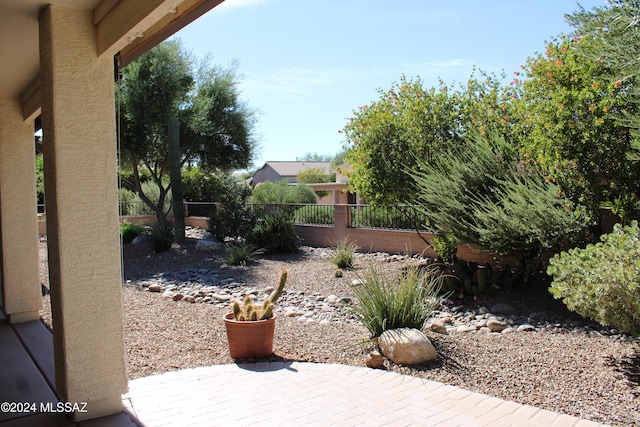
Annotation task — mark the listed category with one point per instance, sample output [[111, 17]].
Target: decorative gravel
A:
[[544, 356]]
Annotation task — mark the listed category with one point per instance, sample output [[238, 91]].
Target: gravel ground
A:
[[591, 372]]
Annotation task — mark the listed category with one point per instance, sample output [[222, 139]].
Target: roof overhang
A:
[[128, 27]]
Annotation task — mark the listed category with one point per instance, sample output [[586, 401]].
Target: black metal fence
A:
[[302, 213], [359, 216], [402, 217]]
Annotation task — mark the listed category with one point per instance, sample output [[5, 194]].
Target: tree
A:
[[216, 127], [312, 176], [612, 35], [409, 124], [315, 157], [571, 123], [282, 192]]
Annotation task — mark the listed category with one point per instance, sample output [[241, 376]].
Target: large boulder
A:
[[208, 246], [406, 346]]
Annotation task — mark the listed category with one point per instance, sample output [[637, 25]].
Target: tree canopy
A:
[[216, 126], [572, 112]]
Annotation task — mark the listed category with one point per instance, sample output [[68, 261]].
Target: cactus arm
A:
[[278, 290]]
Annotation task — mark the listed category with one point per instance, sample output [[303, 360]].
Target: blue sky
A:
[[307, 64]]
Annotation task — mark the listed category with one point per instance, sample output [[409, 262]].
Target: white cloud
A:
[[299, 81]]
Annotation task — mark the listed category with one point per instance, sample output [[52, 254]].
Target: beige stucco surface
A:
[[82, 211], [20, 268]]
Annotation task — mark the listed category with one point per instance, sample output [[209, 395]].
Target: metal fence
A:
[[310, 214], [402, 217], [200, 208]]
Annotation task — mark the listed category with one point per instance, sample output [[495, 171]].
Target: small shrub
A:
[[162, 236], [129, 231], [389, 304], [445, 245], [342, 256], [275, 233], [602, 281], [241, 253]]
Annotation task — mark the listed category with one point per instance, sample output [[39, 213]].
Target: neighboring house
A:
[[285, 171]]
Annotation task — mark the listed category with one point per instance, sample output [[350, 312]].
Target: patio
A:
[[283, 393]]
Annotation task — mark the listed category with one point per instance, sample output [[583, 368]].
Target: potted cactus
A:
[[250, 326]]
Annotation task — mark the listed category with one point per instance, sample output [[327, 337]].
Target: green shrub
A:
[[241, 253], [482, 193], [407, 301], [342, 256], [162, 236], [232, 217], [602, 281], [282, 192], [275, 233], [445, 244], [129, 231]]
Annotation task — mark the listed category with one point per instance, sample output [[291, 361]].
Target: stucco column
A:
[[79, 134], [21, 294]]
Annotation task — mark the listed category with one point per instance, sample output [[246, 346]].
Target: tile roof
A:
[[293, 168]]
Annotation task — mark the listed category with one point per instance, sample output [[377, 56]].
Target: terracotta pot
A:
[[250, 340]]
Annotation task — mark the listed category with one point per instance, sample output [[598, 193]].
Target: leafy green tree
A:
[[216, 127], [200, 185], [315, 157], [282, 192], [612, 35], [313, 176], [409, 124], [571, 126], [40, 179], [385, 138]]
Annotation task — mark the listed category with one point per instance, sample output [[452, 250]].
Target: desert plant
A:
[[162, 236], [275, 233], [283, 192], [241, 253], [232, 217], [445, 244], [407, 301], [483, 193], [129, 231], [602, 281], [342, 256], [250, 311]]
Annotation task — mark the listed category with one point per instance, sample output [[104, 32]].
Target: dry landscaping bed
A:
[[562, 363]]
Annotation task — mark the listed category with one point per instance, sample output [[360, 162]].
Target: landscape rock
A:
[[437, 326], [525, 328], [208, 246], [209, 237], [177, 296], [374, 360], [140, 239], [406, 346], [155, 288], [496, 326]]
